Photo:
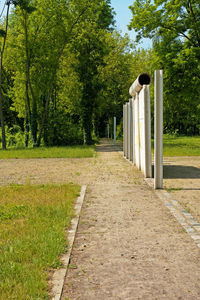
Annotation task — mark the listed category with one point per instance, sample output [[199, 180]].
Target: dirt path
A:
[[128, 245]]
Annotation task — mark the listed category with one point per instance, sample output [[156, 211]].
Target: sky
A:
[[123, 18]]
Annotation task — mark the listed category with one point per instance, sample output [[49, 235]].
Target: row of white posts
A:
[[137, 126]]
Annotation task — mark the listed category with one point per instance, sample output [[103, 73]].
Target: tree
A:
[[89, 49], [3, 34], [174, 19], [174, 28], [39, 38], [70, 70], [115, 79]]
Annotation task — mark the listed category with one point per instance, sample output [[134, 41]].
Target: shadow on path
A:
[[176, 171], [108, 147]]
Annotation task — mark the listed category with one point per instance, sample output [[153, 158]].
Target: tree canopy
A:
[[65, 71], [68, 70], [174, 28]]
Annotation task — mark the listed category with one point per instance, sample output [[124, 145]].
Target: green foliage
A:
[[56, 75], [174, 28], [14, 136], [61, 130], [2, 33], [119, 132], [69, 71], [33, 222], [89, 49]]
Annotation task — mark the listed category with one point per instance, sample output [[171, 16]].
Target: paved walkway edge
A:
[[59, 275], [184, 218]]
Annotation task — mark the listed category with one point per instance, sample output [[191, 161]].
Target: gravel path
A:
[[128, 245]]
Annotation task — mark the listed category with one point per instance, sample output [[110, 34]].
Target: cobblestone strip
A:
[[188, 222]]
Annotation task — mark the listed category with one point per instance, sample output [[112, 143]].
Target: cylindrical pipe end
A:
[[143, 79]]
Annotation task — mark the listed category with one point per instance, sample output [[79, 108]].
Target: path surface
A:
[[128, 245]]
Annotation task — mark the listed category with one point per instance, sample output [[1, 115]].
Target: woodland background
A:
[[65, 71]]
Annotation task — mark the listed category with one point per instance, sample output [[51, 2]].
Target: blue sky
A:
[[123, 17], [123, 14]]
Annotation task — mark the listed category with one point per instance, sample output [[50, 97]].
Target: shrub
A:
[[14, 136]]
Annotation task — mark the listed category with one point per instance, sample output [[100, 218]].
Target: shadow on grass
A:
[[176, 171]]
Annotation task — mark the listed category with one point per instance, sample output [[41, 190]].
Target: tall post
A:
[[137, 133], [131, 129], [123, 128], [133, 107], [128, 130], [147, 132], [114, 131], [108, 131], [158, 129]]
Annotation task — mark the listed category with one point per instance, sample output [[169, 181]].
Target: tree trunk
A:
[[26, 127], [34, 123], [1, 70], [33, 113], [27, 116], [87, 126], [43, 119], [2, 120]]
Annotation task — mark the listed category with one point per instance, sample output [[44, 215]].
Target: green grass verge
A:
[[180, 146], [49, 152], [33, 220]]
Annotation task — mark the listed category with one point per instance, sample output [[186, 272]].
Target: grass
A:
[[49, 152], [173, 189], [33, 220], [181, 145]]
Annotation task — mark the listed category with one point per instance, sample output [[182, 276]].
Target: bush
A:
[[61, 130], [120, 130], [14, 136]]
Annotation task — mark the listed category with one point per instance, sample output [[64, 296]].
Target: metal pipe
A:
[[114, 131], [108, 130], [143, 79]]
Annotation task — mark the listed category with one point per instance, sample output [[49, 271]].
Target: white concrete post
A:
[[158, 129], [133, 146], [114, 131], [123, 128], [147, 132], [108, 130], [128, 131], [131, 129], [126, 128], [137, 133]]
